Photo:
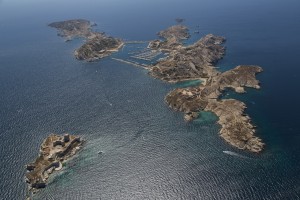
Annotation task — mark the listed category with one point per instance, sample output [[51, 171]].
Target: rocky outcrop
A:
[[194, 61], [236, 127], [165, 45], [73, 28], [97, 45], [238, 78], [172, 38], [180, 32], [54, 150]]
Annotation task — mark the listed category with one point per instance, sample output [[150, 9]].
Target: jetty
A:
[[136, 42], [132, 63]]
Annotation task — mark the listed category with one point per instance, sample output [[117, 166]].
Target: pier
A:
[[136, 42], [132, 63]]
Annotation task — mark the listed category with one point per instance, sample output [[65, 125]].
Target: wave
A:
[[234, 154]]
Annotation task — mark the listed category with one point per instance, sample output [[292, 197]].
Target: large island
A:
[[54, 150], [97, 45], [197, 61]]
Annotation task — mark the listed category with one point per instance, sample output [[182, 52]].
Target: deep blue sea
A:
[[149, 152]]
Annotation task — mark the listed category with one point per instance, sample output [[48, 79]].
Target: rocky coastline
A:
[[191, 62], [54, 151], [97, 45], [236, 129], [172, 38], [197, 61]]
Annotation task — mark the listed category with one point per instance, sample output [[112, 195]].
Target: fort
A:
[[54, 150]]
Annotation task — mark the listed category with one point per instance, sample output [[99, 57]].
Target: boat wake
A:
[[235, 154]]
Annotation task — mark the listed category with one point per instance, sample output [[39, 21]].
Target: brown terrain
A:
[[178, 31], [194, 61], [172, 38], [97, 45], [54, 150], [73, 28], [197, 61]]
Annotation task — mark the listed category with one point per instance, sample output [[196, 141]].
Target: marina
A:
[[147, 55]]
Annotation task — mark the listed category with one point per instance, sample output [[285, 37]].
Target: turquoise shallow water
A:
[[149, 151], [190, 83], [206, 117]]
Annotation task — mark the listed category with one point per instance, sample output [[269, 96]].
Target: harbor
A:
[[147, 55]]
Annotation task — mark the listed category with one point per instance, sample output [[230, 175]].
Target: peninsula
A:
[[197, 61], [97, 45], [54, 150]]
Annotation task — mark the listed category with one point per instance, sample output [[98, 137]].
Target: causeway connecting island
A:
[[192, 62]]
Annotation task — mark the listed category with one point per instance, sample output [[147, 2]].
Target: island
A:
[[197, 61], [54, 151], [172, 38], [97, 45]]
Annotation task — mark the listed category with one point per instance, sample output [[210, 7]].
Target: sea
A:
[[148, 151]]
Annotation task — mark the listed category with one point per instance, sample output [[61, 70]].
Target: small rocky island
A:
[[97, 45], [54, 150], [197, 61]]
